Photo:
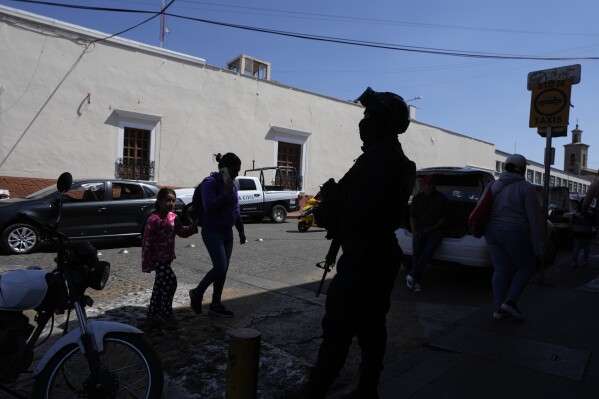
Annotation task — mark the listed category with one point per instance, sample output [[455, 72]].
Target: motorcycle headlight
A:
[[84, 253], [99, 272]]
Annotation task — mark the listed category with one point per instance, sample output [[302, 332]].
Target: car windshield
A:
[[44, 192]]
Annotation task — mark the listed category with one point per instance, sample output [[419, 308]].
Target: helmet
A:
[[386, 105], [518, 163]]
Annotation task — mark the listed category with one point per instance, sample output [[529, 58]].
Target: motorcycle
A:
[[306, 218], [96, 359]]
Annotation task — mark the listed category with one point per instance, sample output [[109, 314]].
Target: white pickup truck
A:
[[256, 200]]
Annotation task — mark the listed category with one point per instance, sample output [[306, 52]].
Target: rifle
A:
[[328, 262]]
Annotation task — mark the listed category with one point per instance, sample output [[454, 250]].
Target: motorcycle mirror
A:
[[64, 182]]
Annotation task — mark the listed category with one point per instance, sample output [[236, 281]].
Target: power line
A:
[[162, 11], [391, 21], [328, 39]]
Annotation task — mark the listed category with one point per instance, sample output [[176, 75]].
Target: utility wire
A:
[[385, 21], [328, 39]]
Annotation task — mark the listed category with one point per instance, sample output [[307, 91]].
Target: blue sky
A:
[[483, 98]]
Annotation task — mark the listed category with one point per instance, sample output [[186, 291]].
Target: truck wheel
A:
[[278, 214], [303, 226]]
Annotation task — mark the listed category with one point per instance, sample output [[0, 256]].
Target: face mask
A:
[[366, 128]]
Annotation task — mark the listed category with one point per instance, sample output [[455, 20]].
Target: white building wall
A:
[[50, 124], [430, 146]]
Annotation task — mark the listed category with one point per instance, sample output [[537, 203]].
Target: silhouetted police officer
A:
[[358, 298]]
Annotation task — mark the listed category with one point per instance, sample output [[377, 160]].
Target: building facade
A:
[[72, 100]]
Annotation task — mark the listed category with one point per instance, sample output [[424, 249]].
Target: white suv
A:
[[462, 187]]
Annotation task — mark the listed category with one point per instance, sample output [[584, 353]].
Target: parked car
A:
[[560, 210], [256, 199], [463, 187], [94, 208]]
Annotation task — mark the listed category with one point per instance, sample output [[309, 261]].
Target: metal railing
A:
[[136, 169]]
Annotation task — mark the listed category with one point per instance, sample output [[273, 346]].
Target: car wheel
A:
[[21, 239], [278, 214]]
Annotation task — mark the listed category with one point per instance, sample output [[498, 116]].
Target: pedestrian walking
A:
[[582, 232], [427, 215], [157, 253], [358, 297], [514, 236], [221, 212], [590, 199]]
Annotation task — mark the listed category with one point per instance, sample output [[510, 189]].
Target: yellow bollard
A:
[[242, 364]]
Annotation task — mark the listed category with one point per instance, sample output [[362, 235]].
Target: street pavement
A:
[[551, 354]]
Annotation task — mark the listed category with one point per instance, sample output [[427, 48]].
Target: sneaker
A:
[[511, 308], [218, 309], [500, 314], [417, 287], [196, 302], [410, 282]]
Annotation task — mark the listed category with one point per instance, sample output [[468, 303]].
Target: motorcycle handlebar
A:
[[46, 227]]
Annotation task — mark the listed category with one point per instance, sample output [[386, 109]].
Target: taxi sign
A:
[[571, 72], [550, 103]]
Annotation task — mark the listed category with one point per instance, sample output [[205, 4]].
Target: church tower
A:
[[576, 153]]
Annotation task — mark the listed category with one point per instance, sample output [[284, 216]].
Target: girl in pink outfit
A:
[[157, 253]]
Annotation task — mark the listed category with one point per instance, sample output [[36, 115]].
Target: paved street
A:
[[270, 287]]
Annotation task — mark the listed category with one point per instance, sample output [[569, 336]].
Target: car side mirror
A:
[[64, 182]]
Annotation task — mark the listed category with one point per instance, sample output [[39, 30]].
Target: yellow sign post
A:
[[550, 110], [550, 103]]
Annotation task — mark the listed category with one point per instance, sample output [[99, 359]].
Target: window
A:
[[247, 185], [572, 159], [85, 192], [290, 150], [538, 178], [498, 166], [136, 145], [288, 160], [530, 176], [136, 162], [552, 181], [122, 191], [558, 182]]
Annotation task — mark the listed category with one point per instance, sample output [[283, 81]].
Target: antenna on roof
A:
[[162, 23]]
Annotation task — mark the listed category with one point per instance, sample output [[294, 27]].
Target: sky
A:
[[484, 98]]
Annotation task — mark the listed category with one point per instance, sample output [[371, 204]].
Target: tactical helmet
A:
[[387, 105]]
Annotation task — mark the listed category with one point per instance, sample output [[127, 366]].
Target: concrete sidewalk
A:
[[551, 354]]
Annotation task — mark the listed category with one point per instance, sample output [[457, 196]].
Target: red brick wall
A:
[[19, 187]]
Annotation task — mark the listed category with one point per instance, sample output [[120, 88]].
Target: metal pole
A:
[[545, 200], [243, 364]]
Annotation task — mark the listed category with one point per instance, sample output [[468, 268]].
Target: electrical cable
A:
[[328, 39], [162, 11]]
